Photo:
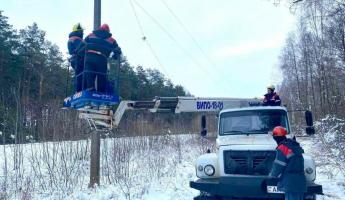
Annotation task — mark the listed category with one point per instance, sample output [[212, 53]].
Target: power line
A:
[[188, 33], [144, 38], [205, 70], [196, 63], [172, 38], [192, 38], [137, 18]]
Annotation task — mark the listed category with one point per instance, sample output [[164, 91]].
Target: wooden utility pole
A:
[[95, 135], [97, 14]]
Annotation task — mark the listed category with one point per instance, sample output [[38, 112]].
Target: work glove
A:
[[271, 180], [116, 53]]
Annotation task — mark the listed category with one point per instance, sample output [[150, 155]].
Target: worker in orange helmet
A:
[[100, 45], [288, 166]]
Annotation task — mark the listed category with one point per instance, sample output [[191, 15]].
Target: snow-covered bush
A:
[[331, 137]]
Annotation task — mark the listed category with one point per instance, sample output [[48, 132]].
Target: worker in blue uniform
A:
[[75, 43], [100, 45], [288, 166]]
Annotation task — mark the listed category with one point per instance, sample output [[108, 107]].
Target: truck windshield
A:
[[252, 122]]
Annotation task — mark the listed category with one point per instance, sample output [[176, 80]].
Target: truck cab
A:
[[245, 154]]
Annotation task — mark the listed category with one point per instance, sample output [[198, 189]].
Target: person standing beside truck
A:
[[271, 98], [288, 166]]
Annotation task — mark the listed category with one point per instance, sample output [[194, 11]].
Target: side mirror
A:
[[310, 130], [203, 132], [309, 118]]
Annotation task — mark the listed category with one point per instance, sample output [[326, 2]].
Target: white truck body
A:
[[258, 149]]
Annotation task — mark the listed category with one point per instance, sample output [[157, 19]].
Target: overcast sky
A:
[[241, 38]]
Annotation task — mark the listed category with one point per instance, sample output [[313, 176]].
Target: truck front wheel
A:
[[207, 196]]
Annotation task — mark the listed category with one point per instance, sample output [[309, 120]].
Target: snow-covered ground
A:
[[152, 167]]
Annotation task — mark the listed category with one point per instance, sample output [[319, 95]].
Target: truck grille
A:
[[248, 162]]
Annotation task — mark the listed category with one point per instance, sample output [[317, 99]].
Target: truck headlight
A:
[[309, 170], [209, 170], [200, 168]]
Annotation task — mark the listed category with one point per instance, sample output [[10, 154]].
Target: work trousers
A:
[[95, 72], [293, 196], [77, 64]]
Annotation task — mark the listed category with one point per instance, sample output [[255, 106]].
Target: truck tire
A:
[[207, 196]]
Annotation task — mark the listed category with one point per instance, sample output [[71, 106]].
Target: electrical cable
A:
[[67, 81], [196, 63], [188, 33], [192, 38], [173, 39], [144, 38]]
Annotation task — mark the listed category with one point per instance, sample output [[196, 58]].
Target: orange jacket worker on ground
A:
[[288, 166]]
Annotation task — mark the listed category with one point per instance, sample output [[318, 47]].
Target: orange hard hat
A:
[[104, 27], [279, 131]]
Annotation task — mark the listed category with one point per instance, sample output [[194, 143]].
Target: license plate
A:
[[273, 189]]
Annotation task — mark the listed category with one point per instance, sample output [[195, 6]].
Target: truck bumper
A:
[[244, 187]]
